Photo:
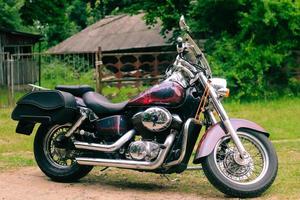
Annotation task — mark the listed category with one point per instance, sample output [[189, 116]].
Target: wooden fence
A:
[[93, 68]]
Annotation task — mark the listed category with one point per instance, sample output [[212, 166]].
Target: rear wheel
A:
[[235, 177], [57, 161]]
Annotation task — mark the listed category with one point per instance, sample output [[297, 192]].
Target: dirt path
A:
[[29, 183]]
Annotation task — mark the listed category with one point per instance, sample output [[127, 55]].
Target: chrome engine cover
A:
[[156, 119], [143, 150]]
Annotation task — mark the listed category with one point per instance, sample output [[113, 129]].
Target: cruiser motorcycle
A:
[[156, 131]]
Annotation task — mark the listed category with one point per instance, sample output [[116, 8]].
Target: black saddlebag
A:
[[48, 106]]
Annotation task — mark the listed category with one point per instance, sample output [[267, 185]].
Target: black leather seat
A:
[[101, 105], [76, 90]]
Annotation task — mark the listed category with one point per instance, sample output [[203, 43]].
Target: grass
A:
[[279, 117]]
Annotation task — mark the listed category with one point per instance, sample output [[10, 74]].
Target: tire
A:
[[48, 166], [233, 187]]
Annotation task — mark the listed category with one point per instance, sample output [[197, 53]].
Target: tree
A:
[[249, 41], [51, 17], [9, 14]]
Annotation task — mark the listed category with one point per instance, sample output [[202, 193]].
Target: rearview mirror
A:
[[182, 24]]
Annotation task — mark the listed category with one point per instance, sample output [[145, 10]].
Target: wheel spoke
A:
[[225, 157], [59, 157]]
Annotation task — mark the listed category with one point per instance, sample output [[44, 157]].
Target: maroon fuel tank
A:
[[166, 93]]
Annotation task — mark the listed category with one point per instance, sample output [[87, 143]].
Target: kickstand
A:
[[102, 173], [167, 177], [105, 168]]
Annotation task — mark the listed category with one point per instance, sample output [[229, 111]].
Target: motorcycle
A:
[[154, 132]]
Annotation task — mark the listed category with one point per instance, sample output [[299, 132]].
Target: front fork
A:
[[223, 116]]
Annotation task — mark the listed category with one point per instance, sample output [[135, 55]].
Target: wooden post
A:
[[40, 65], [98, 64], [10, 80], [155, 68]]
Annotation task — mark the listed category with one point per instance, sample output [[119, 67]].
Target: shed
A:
[[12, 45], [121, 33], [16, 42], [130, 47]]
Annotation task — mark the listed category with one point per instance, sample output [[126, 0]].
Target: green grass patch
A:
[[279, 117]]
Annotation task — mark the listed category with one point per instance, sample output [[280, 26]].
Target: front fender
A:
[[216, 132]]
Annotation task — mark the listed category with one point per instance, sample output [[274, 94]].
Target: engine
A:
[[155, 122], [143, 150]]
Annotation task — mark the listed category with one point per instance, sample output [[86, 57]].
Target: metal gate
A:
[[15, 75]]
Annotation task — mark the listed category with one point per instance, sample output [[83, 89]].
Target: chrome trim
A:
[[212, 117], [194, 168], [217, 104], [262, 150], [177, 118], [223, 115], [178, 78], [184, 143], [131, 164], [104, 147], [83, 117], [235, 138], [218, 83], [156, 119]]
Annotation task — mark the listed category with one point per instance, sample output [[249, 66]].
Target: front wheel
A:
[[57, 162], [226, 171]]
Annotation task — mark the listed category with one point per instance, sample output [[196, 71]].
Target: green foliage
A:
[[57, 20], [9, 13], [50, 18], [259, 57], [167, 11], [77, 13], [250, 42], [58, 72], [252, 70], [210, 18]]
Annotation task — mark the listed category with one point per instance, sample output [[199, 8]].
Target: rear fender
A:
[[25, 127], [216, 132]]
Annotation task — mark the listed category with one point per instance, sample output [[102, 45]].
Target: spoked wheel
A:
[[238, 177], [55, 157]]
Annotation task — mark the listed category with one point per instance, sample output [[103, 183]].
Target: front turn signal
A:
[[223, 92], [227, 92]]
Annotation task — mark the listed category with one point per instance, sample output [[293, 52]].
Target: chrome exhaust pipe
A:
[[132, 164], [103, 147], [184, 143]]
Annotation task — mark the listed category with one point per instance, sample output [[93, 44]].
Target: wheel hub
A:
[[240, 170], [242, 161]]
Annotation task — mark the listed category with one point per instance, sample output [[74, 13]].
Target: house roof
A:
[[19, 33], [114, 33]]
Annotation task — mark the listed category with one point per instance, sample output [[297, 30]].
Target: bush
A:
[[253, 46], [59, 73]]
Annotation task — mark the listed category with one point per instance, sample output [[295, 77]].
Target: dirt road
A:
[[29, 183]]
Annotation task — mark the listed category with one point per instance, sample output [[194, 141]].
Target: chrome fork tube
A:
[[223, 116], [212, 117]]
